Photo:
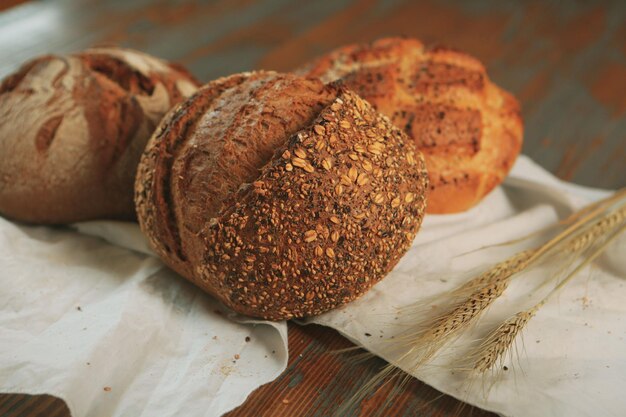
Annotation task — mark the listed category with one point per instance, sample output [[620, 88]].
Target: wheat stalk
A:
[[583, 239], [520, 261], [477, 295], [447, 326], [483, 290], [500, 341], [386, 375], [588, 211], [500, 272], [474, 298], [421, 342], [577, 228]]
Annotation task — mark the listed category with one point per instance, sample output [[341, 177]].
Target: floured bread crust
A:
[[72, 129]]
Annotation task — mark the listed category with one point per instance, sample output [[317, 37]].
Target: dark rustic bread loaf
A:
[[469, 130], [279, 195], [72, 129]]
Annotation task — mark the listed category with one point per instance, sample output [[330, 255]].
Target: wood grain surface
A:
[[565, 60]]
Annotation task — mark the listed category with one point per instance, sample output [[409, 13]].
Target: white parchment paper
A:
[[572, 361], [113, 333], [87, 314]]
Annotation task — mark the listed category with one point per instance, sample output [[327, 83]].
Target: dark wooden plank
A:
[[318, 380], [566, 61], [6, 4], [14, 405]]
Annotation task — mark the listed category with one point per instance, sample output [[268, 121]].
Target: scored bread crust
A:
[[469, 130], [325, 216], [72, 129]]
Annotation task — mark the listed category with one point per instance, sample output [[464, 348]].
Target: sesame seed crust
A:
[[315, 229]]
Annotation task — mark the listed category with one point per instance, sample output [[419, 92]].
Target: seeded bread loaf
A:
[[72, 129], [469, 130], [279, 195]]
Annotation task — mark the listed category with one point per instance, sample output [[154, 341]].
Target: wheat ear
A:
[[519, 261], [589, 211], [419, 346], [480, 293], [500, 341]]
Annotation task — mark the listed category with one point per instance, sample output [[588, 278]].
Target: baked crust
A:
[[469, 130], [312, 226], [72, 129]]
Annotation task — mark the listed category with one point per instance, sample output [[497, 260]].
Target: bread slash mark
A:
[[46, 133]]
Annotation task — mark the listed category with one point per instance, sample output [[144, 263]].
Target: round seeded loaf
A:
[[72, 129], [281, 196], [469, 130]]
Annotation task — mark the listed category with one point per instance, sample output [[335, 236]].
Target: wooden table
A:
[[566, 62]]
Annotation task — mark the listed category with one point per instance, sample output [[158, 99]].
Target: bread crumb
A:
[[285, 401], [107, 389], [237, 356], [226, 370]]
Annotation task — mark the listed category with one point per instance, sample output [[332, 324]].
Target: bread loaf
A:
[[469, 130], [281, 196], [72, 129]]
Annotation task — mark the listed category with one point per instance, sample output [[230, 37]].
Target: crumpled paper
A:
[[113, 332], [90, 316], [571, 360]]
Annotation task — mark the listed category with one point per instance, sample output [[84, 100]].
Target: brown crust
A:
[[72, 129], [154, 204], [326, 216], [469, 130]]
